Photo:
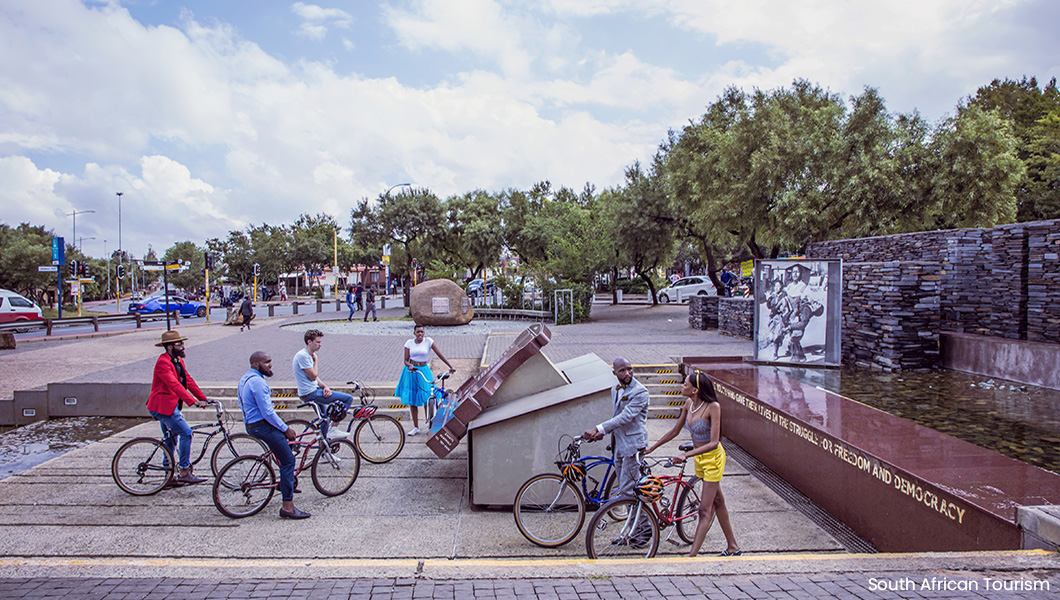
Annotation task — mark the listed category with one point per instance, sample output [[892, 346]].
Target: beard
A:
[[265, 371], [177, 353]]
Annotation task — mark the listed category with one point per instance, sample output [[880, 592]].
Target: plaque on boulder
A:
[[440, 302]]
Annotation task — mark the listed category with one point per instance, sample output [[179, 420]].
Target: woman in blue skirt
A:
[[414, 386]]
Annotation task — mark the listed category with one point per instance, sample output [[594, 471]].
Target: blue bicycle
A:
[[550, 508]]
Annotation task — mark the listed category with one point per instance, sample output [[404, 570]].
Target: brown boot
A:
[[188, 478]]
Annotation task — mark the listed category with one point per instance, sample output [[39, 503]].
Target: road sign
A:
[[48, 269], [58, 251], [148, 267], [75, 288]]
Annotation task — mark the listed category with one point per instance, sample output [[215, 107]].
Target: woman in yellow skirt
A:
[[701, 414]]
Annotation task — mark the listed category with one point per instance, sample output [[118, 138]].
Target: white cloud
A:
[[317, 20], [481, 27]]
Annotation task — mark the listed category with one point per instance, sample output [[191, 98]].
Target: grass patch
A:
[[70, 311]]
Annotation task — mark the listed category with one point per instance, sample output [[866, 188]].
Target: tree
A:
[[313, 243], [410, 222], [1027, 107], [24, 249], [640, 223], [473, 238], [190, 254]]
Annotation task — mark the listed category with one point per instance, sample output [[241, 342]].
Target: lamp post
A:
[[386, 247], [74, 215], [117, 285], [81, 243]]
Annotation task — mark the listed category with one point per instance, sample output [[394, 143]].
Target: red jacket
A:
[[166, 389]]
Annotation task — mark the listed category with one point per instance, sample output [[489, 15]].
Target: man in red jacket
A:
[[171, 387]]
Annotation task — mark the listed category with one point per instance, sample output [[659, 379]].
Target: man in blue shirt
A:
[[263, 423]]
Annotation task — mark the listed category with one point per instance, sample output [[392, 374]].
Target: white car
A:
[[16, 308], [686, 287]]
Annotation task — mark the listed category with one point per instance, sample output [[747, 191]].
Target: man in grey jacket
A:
[[628, 426]]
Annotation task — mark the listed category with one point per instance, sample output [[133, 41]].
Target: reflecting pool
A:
[[1014, 419]]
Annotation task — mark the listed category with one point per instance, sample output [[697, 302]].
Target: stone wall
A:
[[703, 312], [891, 314], [736, 317], [1003, 281]]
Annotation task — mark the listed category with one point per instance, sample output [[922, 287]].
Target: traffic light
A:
[[83, 267], [74, 272], [257, 270], [209, 261], [121, 271]]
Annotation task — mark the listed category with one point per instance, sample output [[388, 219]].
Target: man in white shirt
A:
[[310, 388]]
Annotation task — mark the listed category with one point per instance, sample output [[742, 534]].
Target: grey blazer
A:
[[630, 421]]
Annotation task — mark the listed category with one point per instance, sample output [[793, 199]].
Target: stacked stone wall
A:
[[703, 312], [736, 317], [891, 314], [1003, 281]]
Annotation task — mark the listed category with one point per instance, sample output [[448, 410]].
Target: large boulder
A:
[[440, 302]]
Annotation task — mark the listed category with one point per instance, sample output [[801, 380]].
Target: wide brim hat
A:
[[171, 337]]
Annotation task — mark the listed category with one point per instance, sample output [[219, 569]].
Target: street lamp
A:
[[74, 215], [81, 243], [397, 186], [117, 290]]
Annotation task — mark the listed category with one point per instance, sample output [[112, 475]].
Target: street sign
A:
[[58, 251], [48, 269], [148, 267], [75, 288]]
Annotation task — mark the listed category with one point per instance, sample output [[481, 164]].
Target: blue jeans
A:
[[174, 425], [317, 397], [277, 443], [353, 309]]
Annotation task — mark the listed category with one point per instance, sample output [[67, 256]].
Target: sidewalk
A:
[[405, 530]]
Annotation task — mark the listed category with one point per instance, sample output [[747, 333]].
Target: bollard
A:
[[295, 305], [338, 305], [139, 321], [382, 302], [320, 306], [272, 310], [95, 323], [48, 325]]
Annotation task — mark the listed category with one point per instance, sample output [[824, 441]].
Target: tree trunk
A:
[[651, 287], [614, 285]]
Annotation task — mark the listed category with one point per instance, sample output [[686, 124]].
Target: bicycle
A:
[[651, 509], [246, 485], [144, 466], [550, 509], [378, 437], [439, 400]]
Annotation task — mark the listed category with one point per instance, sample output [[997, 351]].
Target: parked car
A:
[[686, 287], [16, 307], [475, 287], [157, 304]]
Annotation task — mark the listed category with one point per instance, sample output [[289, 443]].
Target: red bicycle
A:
[[630, 527], [245, 485]]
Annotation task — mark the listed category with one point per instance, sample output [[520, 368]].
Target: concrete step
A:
[[229, 391]]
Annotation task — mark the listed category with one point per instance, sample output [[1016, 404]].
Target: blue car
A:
[[157, 304]]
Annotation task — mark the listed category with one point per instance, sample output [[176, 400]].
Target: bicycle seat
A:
[[685, 447]]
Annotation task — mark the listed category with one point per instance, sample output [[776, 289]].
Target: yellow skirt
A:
[[710, 466]]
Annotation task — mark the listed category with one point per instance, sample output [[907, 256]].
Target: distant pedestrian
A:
[[246, 310], [283, 292], [414, 385], [350, 302], [369, 298], [358, 296]]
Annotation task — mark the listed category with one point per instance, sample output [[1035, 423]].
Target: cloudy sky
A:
[[210, 115]]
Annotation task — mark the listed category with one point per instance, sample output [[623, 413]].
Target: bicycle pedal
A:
[[674, 542]]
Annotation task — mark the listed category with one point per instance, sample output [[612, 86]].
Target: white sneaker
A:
[[415, 431], [337, 434]]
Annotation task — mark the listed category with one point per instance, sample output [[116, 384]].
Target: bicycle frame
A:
[[218, 423]]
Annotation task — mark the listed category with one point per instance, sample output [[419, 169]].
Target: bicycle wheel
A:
[[142, 466], [549, 510], [244, 487], [239, 444], [299, 425], [634, 537], [379, 438], [688, 504], [335, 471]]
